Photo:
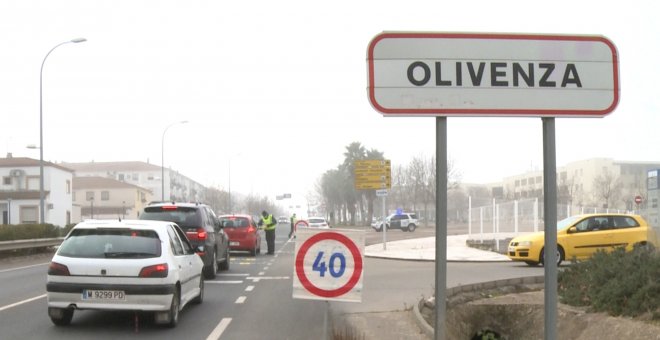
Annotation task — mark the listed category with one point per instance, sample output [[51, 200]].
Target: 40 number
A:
[[336, 269]]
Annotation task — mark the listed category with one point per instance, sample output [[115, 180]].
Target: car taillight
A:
[[158, 270], [251, 229], [198, 235], [58, 269]]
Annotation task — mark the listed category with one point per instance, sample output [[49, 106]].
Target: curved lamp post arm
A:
[[42, 212]]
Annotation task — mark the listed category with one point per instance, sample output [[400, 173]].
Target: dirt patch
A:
[[520, 315]]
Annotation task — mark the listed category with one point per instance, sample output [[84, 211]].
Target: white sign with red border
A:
[[328, 265], [487, 74]]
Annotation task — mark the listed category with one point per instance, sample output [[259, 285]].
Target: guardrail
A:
[[32, 243]]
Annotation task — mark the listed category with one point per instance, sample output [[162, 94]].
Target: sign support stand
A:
[[440, 227], [384, 224], [550, 221]]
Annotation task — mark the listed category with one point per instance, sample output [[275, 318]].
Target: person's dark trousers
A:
[[291, 232], [270, 240]]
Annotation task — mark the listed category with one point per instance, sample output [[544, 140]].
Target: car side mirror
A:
[[572, 230]]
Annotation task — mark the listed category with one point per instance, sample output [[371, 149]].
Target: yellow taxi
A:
[[580, 236]]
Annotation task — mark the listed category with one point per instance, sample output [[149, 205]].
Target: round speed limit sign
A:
[[328, 265]]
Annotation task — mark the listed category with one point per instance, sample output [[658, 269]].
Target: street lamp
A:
[[42, 211], [229, 184], [162, 159]]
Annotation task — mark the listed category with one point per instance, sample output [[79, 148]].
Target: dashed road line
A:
[[219, 329], [22, 302], [241, 299], [249, 288], [225, 282]]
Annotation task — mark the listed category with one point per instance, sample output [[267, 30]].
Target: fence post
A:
[[536, 214], [481, 222], [469, 216], [515, 216], [497, 223]]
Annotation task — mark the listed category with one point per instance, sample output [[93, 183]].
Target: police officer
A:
[[293, 224], [268, 223]]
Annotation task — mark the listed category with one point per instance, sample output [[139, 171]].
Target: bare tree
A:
[[607, 189]]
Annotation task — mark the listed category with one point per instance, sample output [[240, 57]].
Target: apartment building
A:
[[102, 198]]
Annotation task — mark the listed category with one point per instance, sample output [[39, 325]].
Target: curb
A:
[[419, 320], [433, 260]]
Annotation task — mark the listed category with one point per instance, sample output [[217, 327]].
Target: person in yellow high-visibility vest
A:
[[268, 223], [294, 219]]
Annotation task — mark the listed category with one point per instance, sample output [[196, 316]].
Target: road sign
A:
[[638, 199], [381, 192], [372, 185], [372, 178], [372, 163], [487, 74], [328, 265]]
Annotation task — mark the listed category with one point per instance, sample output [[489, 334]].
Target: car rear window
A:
[[185, 217], [111, 243], [234, 222], [316, 220]]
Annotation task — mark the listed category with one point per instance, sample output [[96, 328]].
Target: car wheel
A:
[[411, 227], [200, 298], [60, 316], [211, 270], [225, 265], [380, 228], [173, 313], [560, 255], [253, 252]]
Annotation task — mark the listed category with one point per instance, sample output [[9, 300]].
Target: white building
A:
[[106, 198], [145, 175], [20, 192]]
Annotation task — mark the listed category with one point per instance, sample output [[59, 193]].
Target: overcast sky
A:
[[279, 87]]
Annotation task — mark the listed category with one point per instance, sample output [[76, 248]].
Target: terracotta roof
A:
[[17, 162], [94, 182], [111, 166]]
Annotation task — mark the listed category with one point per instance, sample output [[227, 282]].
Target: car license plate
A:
[[90, 294], [233, 243]]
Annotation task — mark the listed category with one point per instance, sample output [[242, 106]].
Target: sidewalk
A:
[[423, 249]]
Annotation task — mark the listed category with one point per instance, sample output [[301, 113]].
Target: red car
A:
[[242, 232]]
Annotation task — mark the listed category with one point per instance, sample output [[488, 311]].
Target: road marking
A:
[[22, 302], [217, 331], [241, 299], [265, 268], [225, 282], [236, 274], [255, 279], [19, 268], [249, 288], [268, 278]]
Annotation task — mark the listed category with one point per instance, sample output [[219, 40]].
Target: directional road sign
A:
[[373, 174], [328, 265]]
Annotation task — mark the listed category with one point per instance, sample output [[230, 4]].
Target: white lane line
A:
[[22, 302], [261, 273], [217, 331], [236, 274], [249, 288], [25, 267], [241, 299], [265, 268], [268, 278], [254, 280], [225, 282]]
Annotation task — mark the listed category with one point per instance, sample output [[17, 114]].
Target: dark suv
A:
[[202, 228]]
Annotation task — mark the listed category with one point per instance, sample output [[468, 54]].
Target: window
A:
[[68, 186], [6, 180], [175, 243], [121, 177], [105, 195], [28, 215], [136, 176], [89, 195]]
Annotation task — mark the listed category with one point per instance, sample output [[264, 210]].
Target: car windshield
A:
[[185, 217], [111, 243], [316, 220], [234, 222], [567, 222]]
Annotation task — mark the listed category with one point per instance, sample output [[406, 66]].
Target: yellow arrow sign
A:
[[372, 163], [372, 177], [372, 185]]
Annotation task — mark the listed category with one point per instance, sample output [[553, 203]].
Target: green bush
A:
[[619, 282], [30, 231]]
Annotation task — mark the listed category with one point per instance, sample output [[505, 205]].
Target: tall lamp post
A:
[[162, 159], [42, 211]]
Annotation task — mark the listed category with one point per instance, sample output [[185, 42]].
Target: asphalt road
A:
[[250, 301]]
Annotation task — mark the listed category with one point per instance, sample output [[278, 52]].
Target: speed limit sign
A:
[[328, 265]]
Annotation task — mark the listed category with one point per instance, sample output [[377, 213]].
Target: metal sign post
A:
[[550, 220]]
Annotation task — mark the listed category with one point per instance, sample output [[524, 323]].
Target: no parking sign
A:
[[328, 265]]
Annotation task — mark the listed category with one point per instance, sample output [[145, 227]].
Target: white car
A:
[[124, 265], [317, 222]]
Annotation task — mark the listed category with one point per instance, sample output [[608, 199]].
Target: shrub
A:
[[618, 282], [28, 231]]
